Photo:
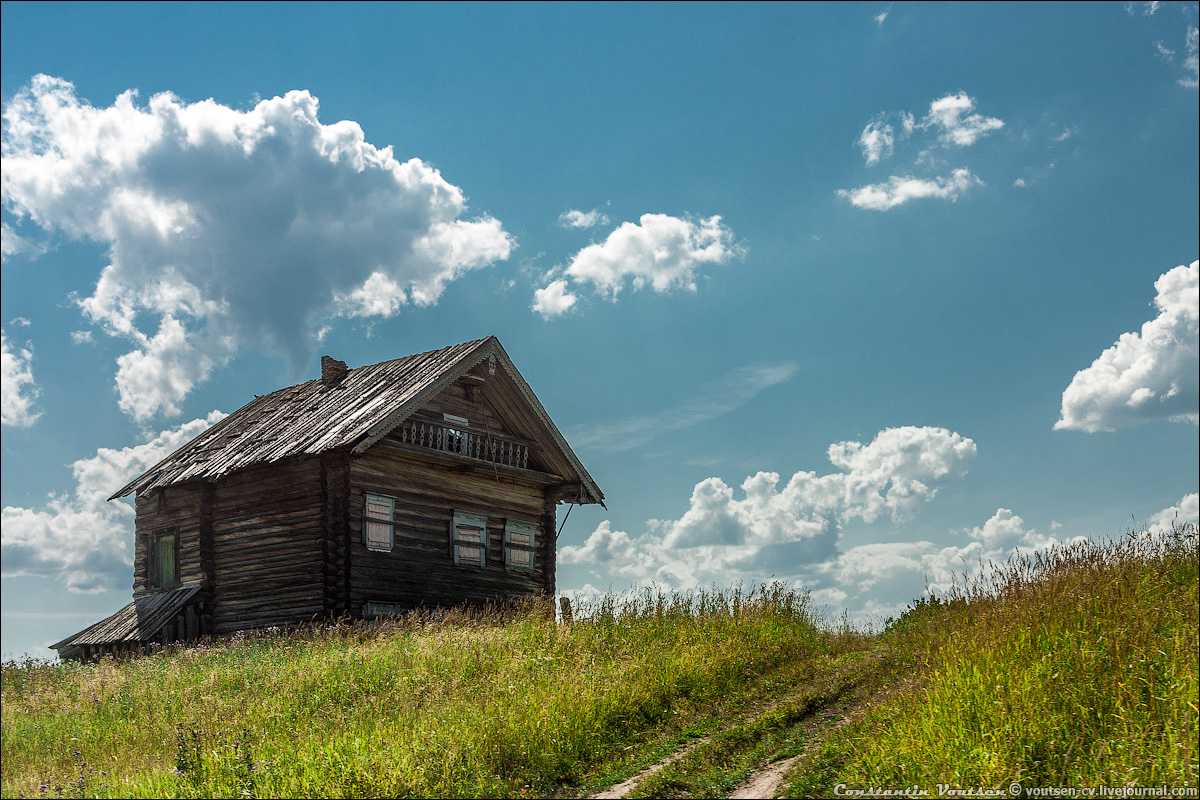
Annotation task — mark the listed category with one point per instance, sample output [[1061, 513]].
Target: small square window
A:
[[468, 539], [378, 525], [519, 544]]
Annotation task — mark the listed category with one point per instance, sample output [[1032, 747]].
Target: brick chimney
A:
[[332, 370]]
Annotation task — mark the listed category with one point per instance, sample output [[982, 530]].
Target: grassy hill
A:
[[1077, 667]]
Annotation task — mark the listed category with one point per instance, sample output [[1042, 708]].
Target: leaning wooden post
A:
[[565, 604]]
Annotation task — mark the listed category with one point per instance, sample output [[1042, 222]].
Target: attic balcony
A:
[[461, 444]]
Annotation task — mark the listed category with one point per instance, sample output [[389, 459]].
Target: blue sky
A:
[[852, 295]]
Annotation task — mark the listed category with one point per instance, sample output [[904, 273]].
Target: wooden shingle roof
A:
[[351, 414], [140, 621]]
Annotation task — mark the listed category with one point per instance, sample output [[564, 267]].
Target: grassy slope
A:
[[448, 709], [1078, 667]]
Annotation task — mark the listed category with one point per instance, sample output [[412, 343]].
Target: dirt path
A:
[[622, 789], [767, 781], [763, 783], [625, 787]]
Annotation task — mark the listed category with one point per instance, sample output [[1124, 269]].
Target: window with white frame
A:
[[378, 527], [519, 545], [468, 539]]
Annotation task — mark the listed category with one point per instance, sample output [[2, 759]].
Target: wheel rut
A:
[[843, 704], [767, 781]]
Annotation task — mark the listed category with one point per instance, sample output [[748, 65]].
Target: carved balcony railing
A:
[[475, 445]]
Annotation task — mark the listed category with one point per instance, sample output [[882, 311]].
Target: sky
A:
[[858, 297]]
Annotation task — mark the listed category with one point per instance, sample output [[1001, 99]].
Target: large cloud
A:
[[80, 538], [1151, 375], [18, 390], [227, 228], [659, 252], [793, 529]]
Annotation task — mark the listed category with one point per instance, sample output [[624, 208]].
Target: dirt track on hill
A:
[[769, 778]]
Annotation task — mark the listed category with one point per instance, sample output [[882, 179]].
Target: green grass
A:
[[1074, 667], [506, 706]]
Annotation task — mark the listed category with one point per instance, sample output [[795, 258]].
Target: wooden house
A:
[[428, 481]]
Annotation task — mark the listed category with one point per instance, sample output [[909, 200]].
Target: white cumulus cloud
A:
[[899, 190], [952, 116], [952, 119], [553, 300], [18, 390], [80, 538], [603, 546], [881, 578], [660, 252], [1186, 510], [228, 228], [768, 528], [1146, 375]]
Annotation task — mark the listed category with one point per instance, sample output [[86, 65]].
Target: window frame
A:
[[369, 499], [379, 609], [465, 519], [154, 559], [519, 528]]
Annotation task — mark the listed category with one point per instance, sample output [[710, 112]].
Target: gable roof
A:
[[352, 414]]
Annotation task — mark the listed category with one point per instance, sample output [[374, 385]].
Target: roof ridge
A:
[[271, 427], [469, 342]]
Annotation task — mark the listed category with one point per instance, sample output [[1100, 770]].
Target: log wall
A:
[[178, 509], [420, 569], [335, 538], [269, 547]]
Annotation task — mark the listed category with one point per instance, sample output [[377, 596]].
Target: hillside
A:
[[1074, 667]]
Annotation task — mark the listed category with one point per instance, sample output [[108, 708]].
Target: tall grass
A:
[[502, 705], [1076, 666]]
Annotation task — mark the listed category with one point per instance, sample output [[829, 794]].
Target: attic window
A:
[[468, 539], [378, 525], [519, 545]]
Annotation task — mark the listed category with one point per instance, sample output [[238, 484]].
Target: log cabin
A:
[[428, 481]]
